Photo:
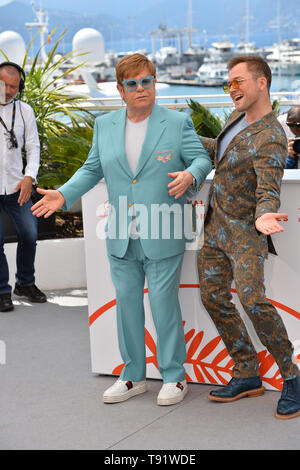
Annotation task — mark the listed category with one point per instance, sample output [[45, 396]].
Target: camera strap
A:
[[11, 131]]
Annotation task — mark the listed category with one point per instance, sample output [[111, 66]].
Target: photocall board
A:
[[207, 358]]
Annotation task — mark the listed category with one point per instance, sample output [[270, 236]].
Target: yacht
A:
[[220, 52], [213, 71], [249, 48], [212, 74], [284, 57]]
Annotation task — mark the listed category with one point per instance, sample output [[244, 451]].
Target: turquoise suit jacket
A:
[[171, 144]]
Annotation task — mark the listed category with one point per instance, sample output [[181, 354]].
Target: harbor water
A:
[[187, 92]]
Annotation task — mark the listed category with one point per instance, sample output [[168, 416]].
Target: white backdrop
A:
[[207, 358]]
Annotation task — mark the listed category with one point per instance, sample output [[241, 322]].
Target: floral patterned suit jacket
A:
[[246, 184]]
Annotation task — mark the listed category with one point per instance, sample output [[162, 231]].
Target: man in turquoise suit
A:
[[149, 157]]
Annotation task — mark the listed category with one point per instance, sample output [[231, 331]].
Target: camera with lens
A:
[[296, 146]]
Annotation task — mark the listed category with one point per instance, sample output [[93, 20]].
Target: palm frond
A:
[[65, 128], [205, 123]]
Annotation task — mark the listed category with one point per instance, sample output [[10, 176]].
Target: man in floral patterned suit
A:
[[249, 156]]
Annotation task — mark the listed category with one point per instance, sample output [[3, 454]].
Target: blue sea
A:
[[283, 84]]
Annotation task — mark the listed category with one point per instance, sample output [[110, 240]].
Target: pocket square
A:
[[164, 155]]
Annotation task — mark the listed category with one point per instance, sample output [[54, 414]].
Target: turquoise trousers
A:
[[163, 276]]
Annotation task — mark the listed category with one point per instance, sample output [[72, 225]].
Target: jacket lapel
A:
[[155, 129], [245, 133], [118, 140], [234, 117]]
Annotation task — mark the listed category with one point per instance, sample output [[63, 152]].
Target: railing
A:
[[181, 101]]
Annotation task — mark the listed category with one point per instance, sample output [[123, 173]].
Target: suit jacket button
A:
[[134, 181]]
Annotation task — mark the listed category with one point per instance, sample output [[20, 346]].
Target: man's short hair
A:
[[293, 114], [256, 65], [132, 64], [10, 69]]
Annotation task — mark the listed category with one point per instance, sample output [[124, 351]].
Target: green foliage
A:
[[60, 118], [276, 106], [68, 153], [205, 123]]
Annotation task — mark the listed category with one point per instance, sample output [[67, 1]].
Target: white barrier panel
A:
[[207, 357], [59, 263]]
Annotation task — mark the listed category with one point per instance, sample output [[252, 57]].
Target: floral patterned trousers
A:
[[217, 270]]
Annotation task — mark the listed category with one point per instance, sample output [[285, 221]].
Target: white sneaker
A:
[[172, 393], [121, 390]]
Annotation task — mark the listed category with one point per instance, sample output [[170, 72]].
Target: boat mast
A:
[[279, 38], [42, 24], [189, 24], [247, 22]]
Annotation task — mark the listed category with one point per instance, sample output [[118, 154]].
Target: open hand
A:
[[51, 202], [182, 181], [268, 223], [25, 188], [291, 150]]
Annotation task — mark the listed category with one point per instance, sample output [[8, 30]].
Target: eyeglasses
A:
[[131, 84], [293, 124], [12, 142], [235, 83]]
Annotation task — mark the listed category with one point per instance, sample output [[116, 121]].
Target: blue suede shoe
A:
[[238, 388], [289, 404]]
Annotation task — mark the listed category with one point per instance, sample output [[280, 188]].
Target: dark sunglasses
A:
[[293, 124], [131, 84]]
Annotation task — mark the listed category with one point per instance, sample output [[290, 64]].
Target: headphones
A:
[[21, 72]]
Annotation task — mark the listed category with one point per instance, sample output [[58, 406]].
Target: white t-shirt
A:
[[134, 138], [282, 119]]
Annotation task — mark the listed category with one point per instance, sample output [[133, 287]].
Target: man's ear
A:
[[262, 83], [120, 90]]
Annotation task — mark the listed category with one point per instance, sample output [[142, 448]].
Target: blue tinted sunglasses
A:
[[131, 84]]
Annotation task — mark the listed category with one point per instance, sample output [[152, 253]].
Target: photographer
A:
[[291, 124], [17, 127]]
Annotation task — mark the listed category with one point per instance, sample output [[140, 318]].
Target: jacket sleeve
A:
[[85, 177], [195, 156], [32, 143], [269, 166], [210, 146]]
